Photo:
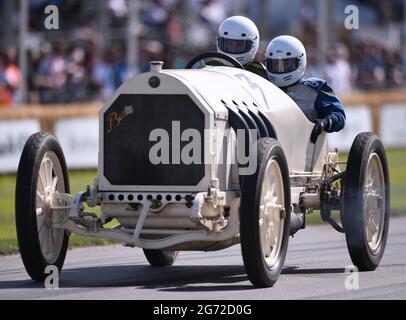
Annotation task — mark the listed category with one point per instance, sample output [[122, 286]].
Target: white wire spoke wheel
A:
[[374, 202], [366, 202], [271, 213], [265, 215], [50, 181], [42, 174]]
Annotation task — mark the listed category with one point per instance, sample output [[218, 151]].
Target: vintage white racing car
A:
[[203, 159]]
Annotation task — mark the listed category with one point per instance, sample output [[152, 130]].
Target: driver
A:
[[286, 62], [238, 37]]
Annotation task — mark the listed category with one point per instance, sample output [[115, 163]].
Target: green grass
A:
[[397, 169], [80, 179]]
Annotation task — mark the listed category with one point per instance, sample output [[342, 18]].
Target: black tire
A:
[[160, 258], [26, 217], [259, 272], [365, 145]]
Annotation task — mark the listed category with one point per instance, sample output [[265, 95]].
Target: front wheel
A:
[[366, 202], [41, 175], [265, 215]]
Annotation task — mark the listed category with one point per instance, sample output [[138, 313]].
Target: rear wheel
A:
[[265, 215], [366, 202], [160, 258], [42, 173]]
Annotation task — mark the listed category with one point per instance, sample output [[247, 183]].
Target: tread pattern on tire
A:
[[25, 201], [160, 258], [254, 262], [353, 221]]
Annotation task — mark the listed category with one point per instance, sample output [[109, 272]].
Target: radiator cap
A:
[[156, 66]]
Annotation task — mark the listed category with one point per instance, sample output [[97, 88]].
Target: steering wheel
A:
[[217, 55]]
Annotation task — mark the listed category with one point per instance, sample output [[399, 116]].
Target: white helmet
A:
[[286, 60], [238, 37]]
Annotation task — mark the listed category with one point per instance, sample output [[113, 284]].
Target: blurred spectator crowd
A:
[[78, 63]]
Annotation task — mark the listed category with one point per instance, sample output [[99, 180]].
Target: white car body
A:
[[174, 225], [202, 160]]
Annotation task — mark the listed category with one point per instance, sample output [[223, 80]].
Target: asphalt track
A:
[[315, 268]]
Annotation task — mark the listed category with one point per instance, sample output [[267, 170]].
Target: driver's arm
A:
[[330, 108]]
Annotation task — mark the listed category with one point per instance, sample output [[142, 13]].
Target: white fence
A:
[[79, 138], [13, 135], [77, 129]]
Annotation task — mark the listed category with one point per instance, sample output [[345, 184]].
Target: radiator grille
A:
[[127, 126]]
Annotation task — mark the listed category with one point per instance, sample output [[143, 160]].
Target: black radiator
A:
[[127, 127]]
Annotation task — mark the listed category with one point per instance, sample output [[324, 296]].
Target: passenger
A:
[[238, 37], [286, 64]]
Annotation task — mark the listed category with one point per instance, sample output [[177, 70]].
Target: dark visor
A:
[[235, 46], [282, 65]]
